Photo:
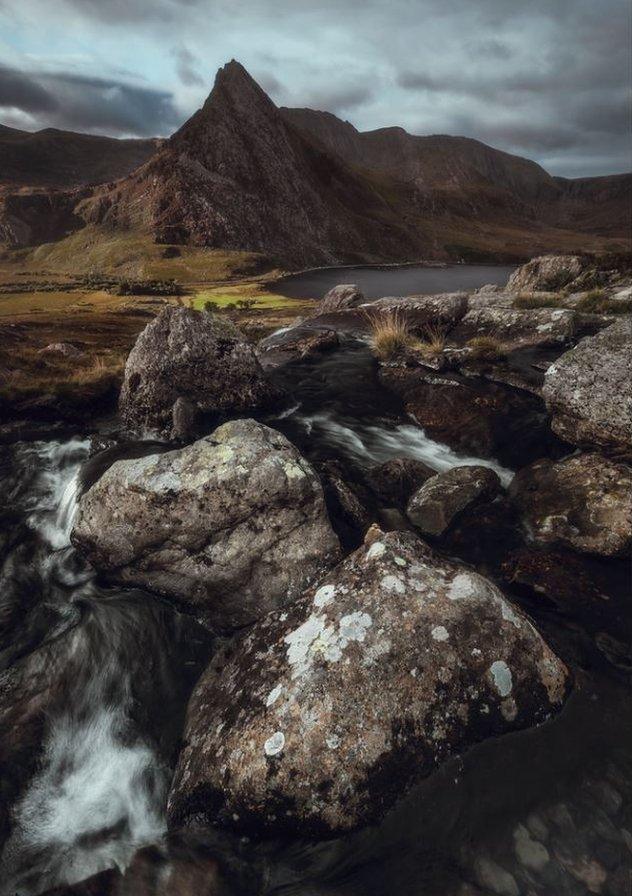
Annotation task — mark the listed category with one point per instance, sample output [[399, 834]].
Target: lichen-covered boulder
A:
[[583, 502], [345, 295], [325, 713], [546, 273], [229, 527], [538, 326], [589, 390], [442, 498], [199, 357]]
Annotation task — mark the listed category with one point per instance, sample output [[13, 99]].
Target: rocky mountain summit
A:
[[304, 188]]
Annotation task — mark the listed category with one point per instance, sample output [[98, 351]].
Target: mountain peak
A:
[[234, 83]]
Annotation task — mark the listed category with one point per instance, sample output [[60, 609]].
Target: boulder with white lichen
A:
[[322, 715]]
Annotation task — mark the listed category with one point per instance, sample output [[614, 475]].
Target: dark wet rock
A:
[[200, 357], [538, 326], [484, 534], [473, 416], [395, 480], [583, 502], [347, 501], [300, 341], [589, 391], [324, 714], [106, 883], [229, 527], [443, 310], [547, 273], [345, 295], [183, 420], [435, 505]]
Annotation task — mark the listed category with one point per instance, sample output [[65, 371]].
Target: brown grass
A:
[[597, 301], [432, 341], [390, 333], [32, 374], [527, 300], [486, 348]]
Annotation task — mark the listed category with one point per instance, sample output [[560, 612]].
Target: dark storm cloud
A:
[[548, 79], [76, 102], [186, 67]]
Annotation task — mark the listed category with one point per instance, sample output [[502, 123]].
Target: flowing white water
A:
[[379, 443], [100, 790]]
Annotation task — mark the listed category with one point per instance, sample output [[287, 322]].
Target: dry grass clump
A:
[[529, 300], [597, 301], [432, 342], [390, 333], [486, 348]]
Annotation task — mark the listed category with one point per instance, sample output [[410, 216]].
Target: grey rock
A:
[[442, 310], [537, 326], [197, 356], [229, 527], [583, 502], [345, 295], [62, 349], [546, 273], [589, 390], [324, 714], [438, 502]]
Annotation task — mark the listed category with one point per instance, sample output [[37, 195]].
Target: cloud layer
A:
[[549, 79]]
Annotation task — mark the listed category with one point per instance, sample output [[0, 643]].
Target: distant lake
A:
[[404, 280]]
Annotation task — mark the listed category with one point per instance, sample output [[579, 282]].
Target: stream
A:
[[551, 804]]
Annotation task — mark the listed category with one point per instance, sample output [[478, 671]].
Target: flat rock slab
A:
[[583, 502], [537, 326], [589, 390], [325, 713], [229, 527]]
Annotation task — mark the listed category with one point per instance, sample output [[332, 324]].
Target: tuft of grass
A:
[[390, 334], [486, 348], [597, 301], [528, 300], [432, 341], [33, 375]]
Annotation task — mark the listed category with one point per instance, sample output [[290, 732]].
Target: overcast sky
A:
[[547, 79]]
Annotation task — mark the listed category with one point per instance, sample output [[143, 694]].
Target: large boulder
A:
[[229, 527], [589, 390], [442, 498], [583, 502], [197, 357], [341, 297], [546, 273], [323, 715]]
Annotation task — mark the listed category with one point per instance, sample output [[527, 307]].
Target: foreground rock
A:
[[589, 390], [582, 502], [194, 357], [442, 498], [324, 714], [546, 273], [341, 297], [229, 527], [441, 311]]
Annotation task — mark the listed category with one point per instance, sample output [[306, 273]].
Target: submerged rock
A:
[[583, 502], [324, 714], [195, 356], [546, 273], [442, 498], [229, 527], [589, 390]]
